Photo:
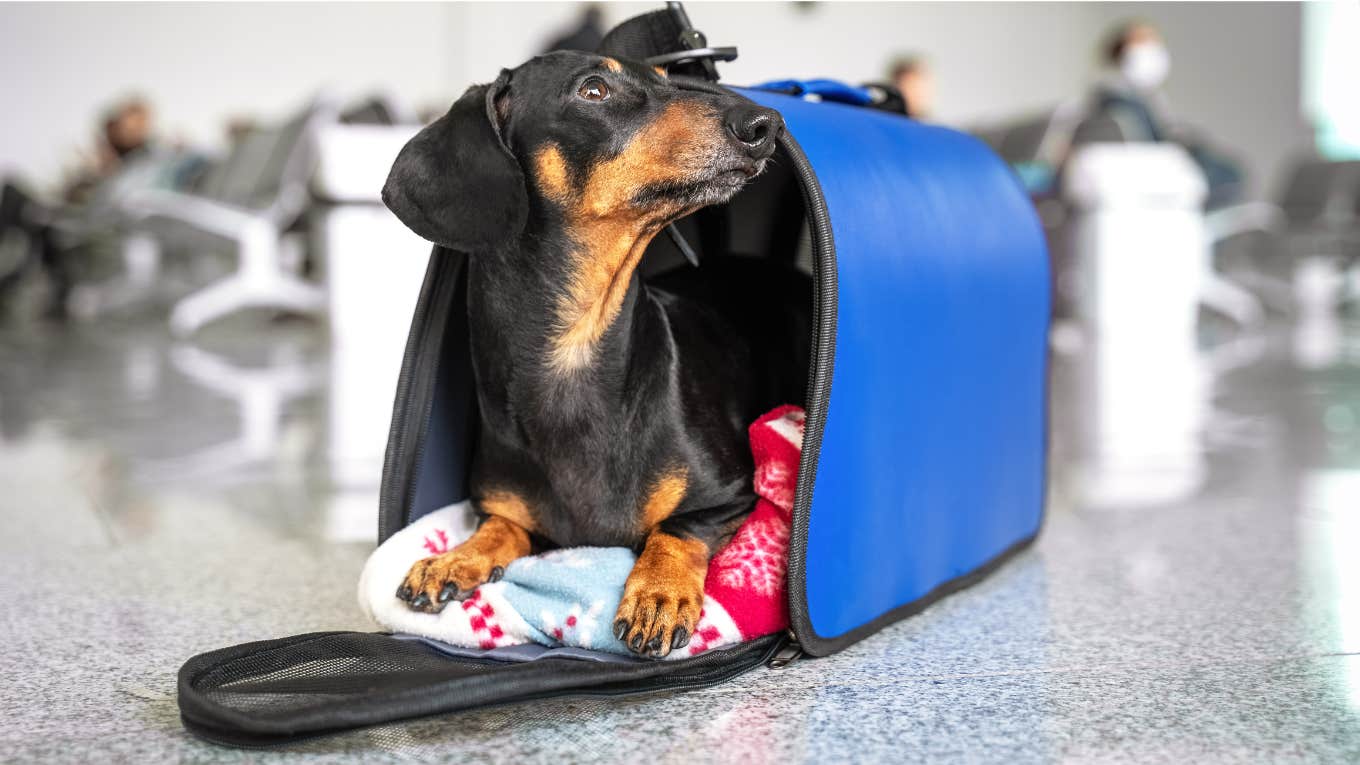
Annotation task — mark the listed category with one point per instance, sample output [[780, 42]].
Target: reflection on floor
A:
[[161, 501]]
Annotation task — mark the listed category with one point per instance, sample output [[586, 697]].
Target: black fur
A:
[[693, 356], [456, 183]]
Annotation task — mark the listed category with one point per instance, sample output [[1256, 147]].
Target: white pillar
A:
[[373, 268], [1139, 242]]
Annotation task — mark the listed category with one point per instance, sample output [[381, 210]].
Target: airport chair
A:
[[1314, 224], [252, 200]]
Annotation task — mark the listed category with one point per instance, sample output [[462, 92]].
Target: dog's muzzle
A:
[[754, 129]]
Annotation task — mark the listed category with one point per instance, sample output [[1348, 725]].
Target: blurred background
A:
[[228, 189], [203, 303], [1254, 75]]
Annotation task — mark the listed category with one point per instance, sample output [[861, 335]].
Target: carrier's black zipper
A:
[[752, 655], [728, 671], [819, 390], [789, 651]]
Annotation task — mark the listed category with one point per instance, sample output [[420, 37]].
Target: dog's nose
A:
[[755, 128]]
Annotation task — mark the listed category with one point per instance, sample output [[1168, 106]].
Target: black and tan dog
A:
[[612, 412]]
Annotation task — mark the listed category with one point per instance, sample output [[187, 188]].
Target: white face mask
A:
[[1145, 65]]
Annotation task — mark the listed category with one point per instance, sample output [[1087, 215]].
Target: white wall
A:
[[990, 59], [199, 64], [1235, 71]]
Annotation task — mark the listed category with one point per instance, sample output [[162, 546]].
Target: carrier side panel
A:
[[933, 450]]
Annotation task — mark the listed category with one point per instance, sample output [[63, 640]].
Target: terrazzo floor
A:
[[146, 516]]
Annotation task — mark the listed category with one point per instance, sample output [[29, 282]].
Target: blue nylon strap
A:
[[828, 90]]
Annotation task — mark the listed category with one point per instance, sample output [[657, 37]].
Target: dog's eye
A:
[[593, 89]]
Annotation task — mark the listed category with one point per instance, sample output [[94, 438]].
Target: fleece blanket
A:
[[567, 597]]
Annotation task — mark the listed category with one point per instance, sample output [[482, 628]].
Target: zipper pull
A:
[[787, 654]]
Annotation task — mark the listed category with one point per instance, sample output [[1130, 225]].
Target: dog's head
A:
[[594, 137]]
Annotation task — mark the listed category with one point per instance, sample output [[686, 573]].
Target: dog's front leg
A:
[[433, 582], [665, 590]]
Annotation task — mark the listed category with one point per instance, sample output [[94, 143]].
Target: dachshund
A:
[[613, 411]]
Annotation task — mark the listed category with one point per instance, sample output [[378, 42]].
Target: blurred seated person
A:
[[44, 233], [910, 90], [28, 241], [1127, 104], [126, 136]]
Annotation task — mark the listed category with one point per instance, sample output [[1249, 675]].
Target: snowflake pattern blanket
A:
[[567, 598]]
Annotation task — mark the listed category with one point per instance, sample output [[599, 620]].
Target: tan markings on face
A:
[[508, 505], [666, 494], [613, 66], [612, 232], [675, 146], [660, 71], [551, 173]]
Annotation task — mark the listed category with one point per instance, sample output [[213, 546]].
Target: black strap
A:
[[666, 38]]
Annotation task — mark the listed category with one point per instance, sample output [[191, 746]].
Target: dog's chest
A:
[[575, 495]]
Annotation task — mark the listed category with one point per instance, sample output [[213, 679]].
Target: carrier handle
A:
[[694, 43], [666, 38], [826, 90], [706, 56]]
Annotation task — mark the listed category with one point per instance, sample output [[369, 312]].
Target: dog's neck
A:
[[600, 278], [555, 321]]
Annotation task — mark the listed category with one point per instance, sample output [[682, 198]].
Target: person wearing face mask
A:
[[1128, 105], [1131, 93]]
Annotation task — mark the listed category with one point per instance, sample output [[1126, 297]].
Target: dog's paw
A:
[[655, 622], [663, 597], [433, 582]]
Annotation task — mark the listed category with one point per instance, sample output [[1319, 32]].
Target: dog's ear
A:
[[456, 183]]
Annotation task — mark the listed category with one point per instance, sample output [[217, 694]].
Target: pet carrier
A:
[[924, 458]]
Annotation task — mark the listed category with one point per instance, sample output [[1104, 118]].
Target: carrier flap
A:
[[434, 415], [290, 689], [925, 454]]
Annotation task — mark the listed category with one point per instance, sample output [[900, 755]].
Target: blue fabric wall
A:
[[932, 460]]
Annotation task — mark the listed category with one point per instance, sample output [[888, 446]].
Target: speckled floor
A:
[[143, 519]]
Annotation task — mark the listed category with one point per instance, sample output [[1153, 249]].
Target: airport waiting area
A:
[[740, 382]]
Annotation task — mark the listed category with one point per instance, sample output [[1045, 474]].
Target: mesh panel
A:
[[280, 690], [323, 671]]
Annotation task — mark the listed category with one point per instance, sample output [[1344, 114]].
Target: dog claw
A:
[[404, 592], [496, 574], [420, 601], [620, 629], [448, 592], [636, 643], [654, 646], [680, 639]]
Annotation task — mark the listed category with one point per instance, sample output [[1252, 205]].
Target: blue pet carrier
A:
[[924, 456]]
